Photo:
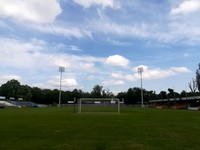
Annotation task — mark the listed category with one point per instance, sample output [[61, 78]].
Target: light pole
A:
[[140, 71], [61, 70]]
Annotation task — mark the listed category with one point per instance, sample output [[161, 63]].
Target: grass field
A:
[[133, 129]]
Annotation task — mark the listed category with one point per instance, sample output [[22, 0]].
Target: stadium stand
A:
[[9, 103], [177, 103], [23, 103], [6, 103]]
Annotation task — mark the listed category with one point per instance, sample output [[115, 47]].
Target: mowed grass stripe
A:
[[134, 128]]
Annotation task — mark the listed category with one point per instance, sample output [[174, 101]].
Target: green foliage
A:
[[36, 94], [172, 94], [133, 95], [193, 86], [99, 92], [163, 95], [59, 128], [11, 89], [14, 89], [183, 94], [25, 92]]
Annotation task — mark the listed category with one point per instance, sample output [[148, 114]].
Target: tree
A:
[[25, 92], [107, 93], [198, 78], [121, 95], [11, 89], [97, 91], [36, 95], [163, 95], [171, 93], [49, 97], [183, 94], [76, 94], [149, 95], [133, 95], [193, 86]]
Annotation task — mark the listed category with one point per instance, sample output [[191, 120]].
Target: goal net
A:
[[99, 105]]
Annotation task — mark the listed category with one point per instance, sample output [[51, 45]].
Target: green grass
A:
[[105, 109], [133, 129]]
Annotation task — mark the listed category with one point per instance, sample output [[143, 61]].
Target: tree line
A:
[[13, 89]]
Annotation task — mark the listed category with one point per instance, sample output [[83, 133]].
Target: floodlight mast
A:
[[61, 70], [140, 71]]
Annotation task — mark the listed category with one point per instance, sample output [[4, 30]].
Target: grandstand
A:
[[23, 104], [15, 103], [6, 103], [177, 103]]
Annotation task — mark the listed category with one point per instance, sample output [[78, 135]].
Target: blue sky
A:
[[100, 42]]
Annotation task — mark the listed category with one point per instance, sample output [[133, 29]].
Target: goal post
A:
[[99, 105]]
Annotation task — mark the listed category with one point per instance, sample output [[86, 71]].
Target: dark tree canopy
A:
[[163, 95], [97, 91], [13, 88], [193, 86]]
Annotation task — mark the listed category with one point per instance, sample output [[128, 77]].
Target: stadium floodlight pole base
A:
[[102, 105]]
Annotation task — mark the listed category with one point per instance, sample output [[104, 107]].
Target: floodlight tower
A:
[[61, 70], [140, 71]]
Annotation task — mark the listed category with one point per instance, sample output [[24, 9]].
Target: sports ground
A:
[[132, 129]]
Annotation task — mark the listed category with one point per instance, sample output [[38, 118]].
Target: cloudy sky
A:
[[100, 42]]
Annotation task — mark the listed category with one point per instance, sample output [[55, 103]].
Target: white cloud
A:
[[89, 67], [179, 69], [113, 82], [118, 43], [129, 77], [186, 54], [74, 48], [186, 7], [67, 83], [103, 3], [151, 74], [36, 60], [173, 29], [70, 83], [11, 49], [179, 31], [5, 78], [117, 75], [117, 60], [3, 25], [36, 11], [90, 77], [131, 30], [36, 53], [65, 31], [158, 73]]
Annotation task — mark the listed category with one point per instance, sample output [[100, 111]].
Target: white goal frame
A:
[[98, 101]]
